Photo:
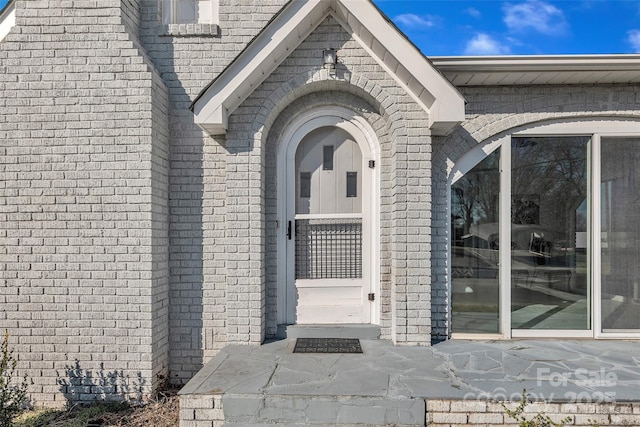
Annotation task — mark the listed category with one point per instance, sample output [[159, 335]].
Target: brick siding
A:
[[134, 246], [197, 189], [454, 413], [123, 260], [84, 208]]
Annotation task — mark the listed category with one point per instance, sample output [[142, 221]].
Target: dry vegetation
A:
[[161, 411]]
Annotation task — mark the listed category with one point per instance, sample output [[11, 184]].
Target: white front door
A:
[[329, 229]]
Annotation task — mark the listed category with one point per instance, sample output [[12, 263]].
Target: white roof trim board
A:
[[7, 19], [544, 69], [401, 59]]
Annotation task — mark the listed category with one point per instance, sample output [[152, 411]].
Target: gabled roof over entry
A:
[[291, 26]]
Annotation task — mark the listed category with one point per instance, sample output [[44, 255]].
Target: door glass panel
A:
[[549, 244], [475, 296], [620, 234]]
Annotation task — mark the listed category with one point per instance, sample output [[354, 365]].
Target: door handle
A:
[[289, 230]]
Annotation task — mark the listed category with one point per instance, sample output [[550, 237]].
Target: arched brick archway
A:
[[251, 142]]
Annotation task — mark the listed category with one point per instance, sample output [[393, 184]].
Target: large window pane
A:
[[549, 245], [474, 253], [620, 234]]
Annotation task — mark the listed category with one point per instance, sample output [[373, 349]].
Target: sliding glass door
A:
[[549, 245], [545, 233], [474, 252], [620, 234]]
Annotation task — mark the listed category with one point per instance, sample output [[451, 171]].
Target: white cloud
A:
[[483, 44], [473, 12], [413, 21], [538, 15], [634, 40]]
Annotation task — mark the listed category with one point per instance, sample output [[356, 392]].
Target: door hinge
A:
[[372, 297], [372, 164]]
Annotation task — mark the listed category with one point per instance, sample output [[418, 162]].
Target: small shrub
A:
[[538, 420], [12, 396]]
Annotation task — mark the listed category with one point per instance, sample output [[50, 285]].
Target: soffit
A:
[[539, 70], [375, 33]]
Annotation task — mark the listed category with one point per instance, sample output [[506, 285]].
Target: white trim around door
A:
[[363, 134]]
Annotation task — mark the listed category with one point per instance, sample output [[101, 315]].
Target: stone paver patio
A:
[[269, 384]]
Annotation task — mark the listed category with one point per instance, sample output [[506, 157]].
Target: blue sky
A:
[[529, 27]]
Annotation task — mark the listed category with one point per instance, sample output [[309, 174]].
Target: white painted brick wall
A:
[[453, 413], [202, 311], [197, 197], [201, 411], [134, 243], [83, 203]]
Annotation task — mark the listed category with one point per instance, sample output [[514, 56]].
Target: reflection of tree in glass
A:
[[474, 198], [550, 172], [525, 209]]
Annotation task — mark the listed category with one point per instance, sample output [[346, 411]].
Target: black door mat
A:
[[327, 345]]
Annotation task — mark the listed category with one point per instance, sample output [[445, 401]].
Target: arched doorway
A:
[[328, 220]]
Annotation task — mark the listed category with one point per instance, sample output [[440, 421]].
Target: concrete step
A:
[[297, 410], [363, 332]]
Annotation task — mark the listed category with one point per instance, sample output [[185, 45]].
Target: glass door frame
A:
[[597, 231], [595, 130], [506, 238]]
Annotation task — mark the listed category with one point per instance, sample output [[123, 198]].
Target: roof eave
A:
[[537, 62], [7, 19], [427, 86], [245, 73], [6, 7], [547, 69]]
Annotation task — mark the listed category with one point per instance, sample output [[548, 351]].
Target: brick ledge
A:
[[189, 30]]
